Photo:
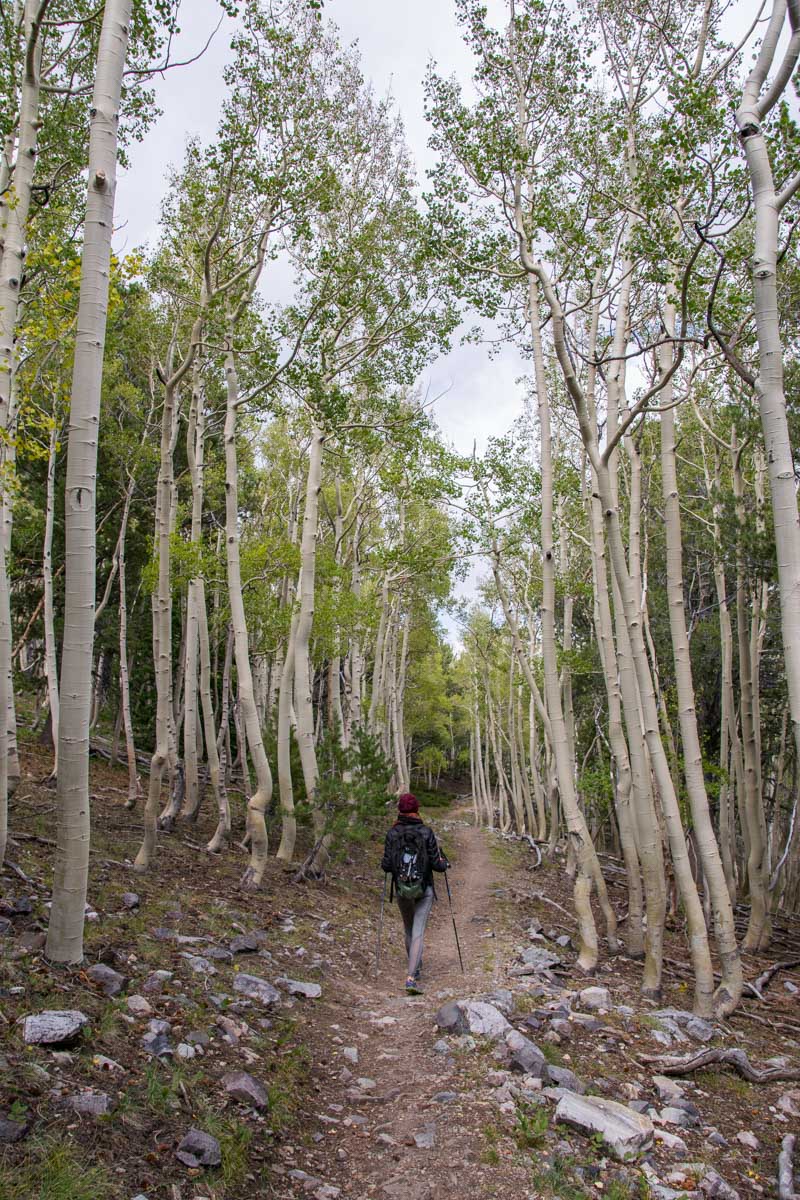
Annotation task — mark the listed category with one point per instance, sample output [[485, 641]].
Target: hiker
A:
[[410, 855]]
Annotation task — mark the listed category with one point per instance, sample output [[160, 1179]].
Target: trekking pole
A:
[[455, 931], [380, 930]]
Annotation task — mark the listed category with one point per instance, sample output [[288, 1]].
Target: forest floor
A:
[[366, 1096]]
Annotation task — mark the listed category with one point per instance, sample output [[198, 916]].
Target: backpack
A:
[[410, 865]]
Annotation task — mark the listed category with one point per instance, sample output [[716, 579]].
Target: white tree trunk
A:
[[302, 663], [50, 663], [65, 930]]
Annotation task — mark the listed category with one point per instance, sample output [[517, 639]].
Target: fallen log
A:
[[786, 1169], [733, 1058]]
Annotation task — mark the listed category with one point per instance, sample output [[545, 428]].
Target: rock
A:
[[668, 1089], [502, 999], [425, 1140], [526, 1058], [156, 1044], [625, 1132], [677, 1116], [790, 987], [445, 1097], [12, 1131], [473, 1016], [716, 1188], [107, 1064], [385, 1139], [564, 941], [244, 943], [257, 989], [715, 1138], [198, 1038], [539, 959], [299, 987], [107, 979], [200, 965], [130, 900], [789, 1103], [157, 1025], [218, 953], [52, 1027], [89, 1103], [139, 1006], [671, 1140], [746, 1138], [185, 1051], [595, 998], [327, 1192], [440, 1047], [697, 1028], [563, 1077], [351, 1053], [562, 1028], [366, 1085], [155, 981], [246, 1088], [199, 1149], [6, 926]]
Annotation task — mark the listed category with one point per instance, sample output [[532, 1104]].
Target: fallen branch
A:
[[786, 1169], [756, 988], [732, 1058]]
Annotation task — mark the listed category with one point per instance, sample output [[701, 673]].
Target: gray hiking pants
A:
[[415, 915]]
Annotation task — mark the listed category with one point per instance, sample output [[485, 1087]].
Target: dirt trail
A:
[[419, 1132]]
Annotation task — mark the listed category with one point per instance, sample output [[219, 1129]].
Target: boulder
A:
[[244, 1087], [625, 1132], [475, 1017], [299, 987], [107, 979], [563, 1077], [595, 998], [526, 1058], [199, 1149], [53, 1027], [256, 988], [540, 960]]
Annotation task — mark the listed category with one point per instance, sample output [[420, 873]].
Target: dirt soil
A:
[[409, 1115]]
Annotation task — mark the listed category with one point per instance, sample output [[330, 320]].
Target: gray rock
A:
[[668, 1089], [299, 987], [89, 1103], [199, 1149], [244, 943], [52, 1027], [6, 926], [715, 1138], [440, 1047], [425, 1140], [198, 1038], [130, 900], [565, 941], [677, 1116], [107, 979], [158, 1025], [327, 1192], [563, 1077], [672, 1142], [716, 1188], [473, 1016], [351, 1053], [745, 1137], [539, 959], [244, 1087], [502, 999], [697, 1029], [257, 989], [139, 1006], [595, 998], [526, 1058], [218, 953], [185, 1051], [445, 1097], [155, 982], [156, 1044], [12, 1131], [626, 1133], [199, 964]]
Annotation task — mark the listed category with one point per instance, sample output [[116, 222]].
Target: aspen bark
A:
[[305, 620], [288, 821], [258, 802], [51, 664], [65, 930]]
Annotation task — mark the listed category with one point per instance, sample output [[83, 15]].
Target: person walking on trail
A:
[[410, 855]]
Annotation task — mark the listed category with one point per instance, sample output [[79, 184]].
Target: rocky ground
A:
[[221, 1045]]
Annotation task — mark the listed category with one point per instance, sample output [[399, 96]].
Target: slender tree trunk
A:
[[51, 665], [257, 805], [70, 879], [302, 665], [124, 684]]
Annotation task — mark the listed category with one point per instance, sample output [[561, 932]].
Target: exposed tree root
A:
[[757, 987], [732, 1058]]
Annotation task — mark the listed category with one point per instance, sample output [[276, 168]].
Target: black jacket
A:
[[436, 860]]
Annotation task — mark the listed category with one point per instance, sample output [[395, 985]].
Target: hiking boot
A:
[[412, 987]]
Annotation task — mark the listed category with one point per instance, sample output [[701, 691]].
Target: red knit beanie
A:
[[407, 804]]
